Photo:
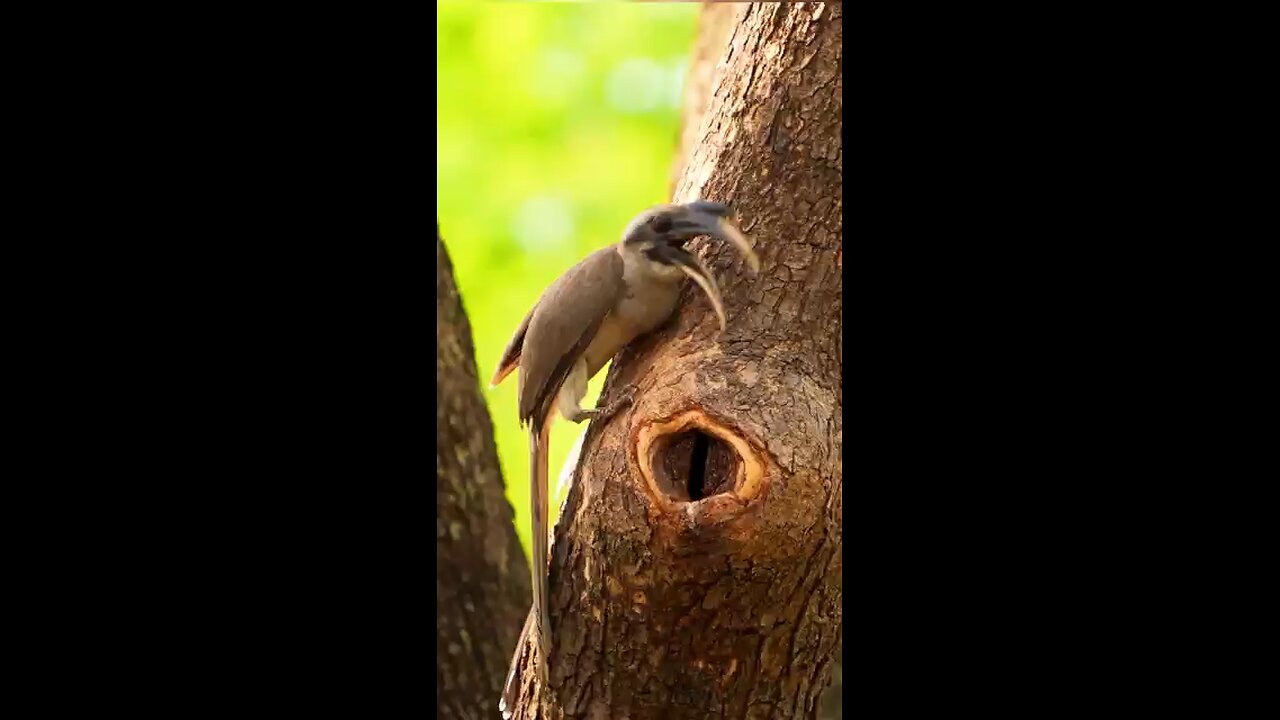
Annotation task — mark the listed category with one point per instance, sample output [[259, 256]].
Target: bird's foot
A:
[[601, 415], [612, 408]]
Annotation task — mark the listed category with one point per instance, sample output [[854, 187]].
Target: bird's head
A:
[[659, 234]]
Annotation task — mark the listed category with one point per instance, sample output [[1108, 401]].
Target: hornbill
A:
[[578, 324]]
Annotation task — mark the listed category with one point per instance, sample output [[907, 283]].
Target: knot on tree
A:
[[694, 463]]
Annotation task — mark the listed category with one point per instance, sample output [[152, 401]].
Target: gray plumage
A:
[[564, 322]]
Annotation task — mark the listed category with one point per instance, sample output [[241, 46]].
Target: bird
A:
[[578, 324]]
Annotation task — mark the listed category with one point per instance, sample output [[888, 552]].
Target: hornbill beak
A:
[[709, 218], [694, 268], [706, 218]]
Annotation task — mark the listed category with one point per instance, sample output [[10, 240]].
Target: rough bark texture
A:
[[697, 573], [831, 706], [482, 579], [715, 24]]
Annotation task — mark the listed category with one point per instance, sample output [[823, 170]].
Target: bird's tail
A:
[[511, 689], [538, 622], [539, 502]]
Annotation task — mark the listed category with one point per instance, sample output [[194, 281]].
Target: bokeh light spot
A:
[[543, 224], [636, 85]]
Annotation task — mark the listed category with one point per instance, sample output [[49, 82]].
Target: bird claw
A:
[[628, 397]]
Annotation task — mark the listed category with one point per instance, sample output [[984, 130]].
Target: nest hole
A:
[[692, 465]]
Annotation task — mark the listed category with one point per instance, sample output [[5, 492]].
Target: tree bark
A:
[[482, 579], [716, 23], [715, 26], [697, 572], [831, 706]]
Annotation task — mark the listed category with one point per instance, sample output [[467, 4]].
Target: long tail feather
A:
[[511, 689], [538, 621], [538, 500]]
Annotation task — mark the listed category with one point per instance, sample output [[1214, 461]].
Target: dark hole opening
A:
[[697, 466], [692, 465]]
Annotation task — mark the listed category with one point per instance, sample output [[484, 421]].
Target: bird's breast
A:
[[639, 310]]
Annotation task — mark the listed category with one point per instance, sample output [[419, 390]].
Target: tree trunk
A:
[[697, 572], [715, 24], [482, 579], [831, 706]]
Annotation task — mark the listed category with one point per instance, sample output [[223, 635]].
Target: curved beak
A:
[[694, 268], [708, 218]]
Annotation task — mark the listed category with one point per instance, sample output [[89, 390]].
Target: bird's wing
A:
[[563, 325], [511, 355]]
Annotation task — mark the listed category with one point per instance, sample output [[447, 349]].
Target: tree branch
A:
[[482, 579]]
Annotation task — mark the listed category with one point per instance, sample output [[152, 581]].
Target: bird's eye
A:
[[662, 223]]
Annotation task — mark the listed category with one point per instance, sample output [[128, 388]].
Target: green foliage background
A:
[[556, 123]]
